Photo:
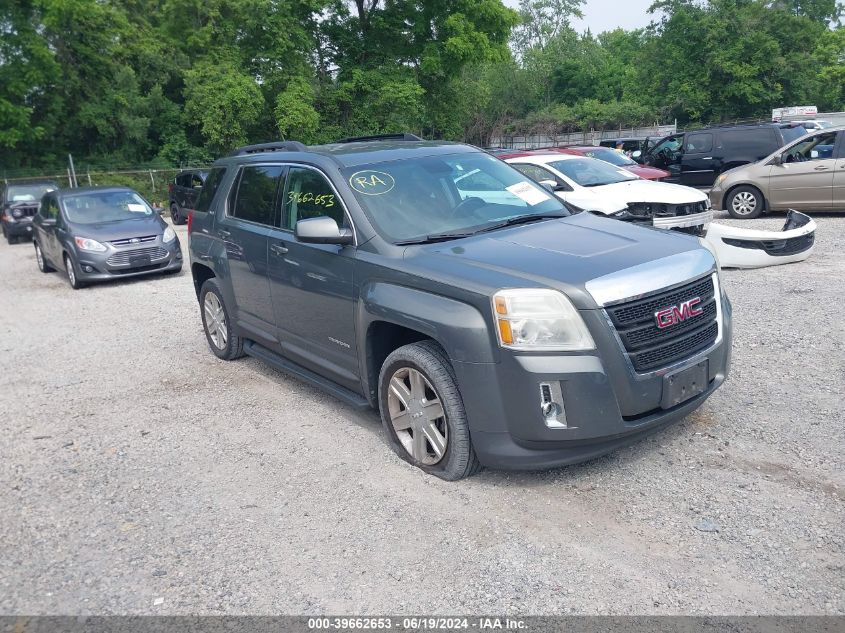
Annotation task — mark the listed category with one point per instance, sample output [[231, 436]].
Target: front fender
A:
[[458, 327]]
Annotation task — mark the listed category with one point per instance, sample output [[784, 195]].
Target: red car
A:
[[614, 158]]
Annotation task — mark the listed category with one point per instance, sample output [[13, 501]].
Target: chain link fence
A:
[[152, 183]]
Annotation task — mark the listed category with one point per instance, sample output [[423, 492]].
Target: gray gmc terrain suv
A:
[[494, 328]]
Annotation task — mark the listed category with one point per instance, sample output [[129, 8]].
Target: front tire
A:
[[43, 266], [72, 275], [217, 323], [423, 414], [745, 203]]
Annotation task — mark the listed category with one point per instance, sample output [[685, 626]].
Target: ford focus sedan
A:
[[101, 233]]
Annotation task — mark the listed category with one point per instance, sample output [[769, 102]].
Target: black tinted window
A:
[[697, 143], [253, 195], [49, 207], [792, 133], [213, 181], [309, 195], [756, 142]]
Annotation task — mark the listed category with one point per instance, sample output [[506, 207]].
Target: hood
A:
[[563, 254], [122, 229], [648, 173], [651, 191]]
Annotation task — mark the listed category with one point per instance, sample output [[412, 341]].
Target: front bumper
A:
[[606, 404], [119, 263], [20, 228], [737, 247]]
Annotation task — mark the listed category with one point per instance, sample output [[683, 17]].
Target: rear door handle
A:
[[821, 168], [278, 249]]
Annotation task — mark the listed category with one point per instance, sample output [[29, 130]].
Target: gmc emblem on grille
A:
[[676, 314]]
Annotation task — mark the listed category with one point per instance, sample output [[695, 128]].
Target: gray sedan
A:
[[102, 233]]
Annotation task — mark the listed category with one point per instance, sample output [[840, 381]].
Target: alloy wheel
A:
[[215, 321], [39, 258], [744, 203], [417, 415], [71, 273]]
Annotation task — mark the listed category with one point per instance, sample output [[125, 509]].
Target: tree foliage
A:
[[176, 81]]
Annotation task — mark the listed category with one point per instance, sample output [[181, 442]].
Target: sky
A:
[[606, 15]]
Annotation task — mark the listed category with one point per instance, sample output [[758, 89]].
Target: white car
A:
[[594, 185]]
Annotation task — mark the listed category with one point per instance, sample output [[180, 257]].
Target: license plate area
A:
[[687, 383], [137, 261]]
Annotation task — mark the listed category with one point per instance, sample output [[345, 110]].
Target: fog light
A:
[[551, 405], [88, 269]]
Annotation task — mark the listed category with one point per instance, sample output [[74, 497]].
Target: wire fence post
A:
[[153, 181]]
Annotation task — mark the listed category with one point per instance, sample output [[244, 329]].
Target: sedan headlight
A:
[[89, 245], [721, 179], [169, 235], [539, 319]]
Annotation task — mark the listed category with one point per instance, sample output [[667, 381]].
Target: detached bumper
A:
[[748, 248]]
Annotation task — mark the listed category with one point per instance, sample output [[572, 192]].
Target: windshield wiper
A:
[[434, 237], [442, 237], [522, 219]]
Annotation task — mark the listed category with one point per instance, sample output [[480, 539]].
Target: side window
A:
[[196, 180], [818, 147], [699, 143], [212, 182], [182, 180], [309, 195], [49, 208], [253, 195]]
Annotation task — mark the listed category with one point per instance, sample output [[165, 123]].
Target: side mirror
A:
[[549, 185], [322, 230], [158, 210], [777, 160]]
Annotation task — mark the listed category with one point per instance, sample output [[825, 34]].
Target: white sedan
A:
[[594, 185]]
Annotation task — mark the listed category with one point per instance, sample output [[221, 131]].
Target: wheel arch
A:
[[200, 273], [390, 316]]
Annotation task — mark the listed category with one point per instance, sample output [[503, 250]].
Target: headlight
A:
[[539, 319], [17, 213], [169, 235], [89, 245], [721, 179]]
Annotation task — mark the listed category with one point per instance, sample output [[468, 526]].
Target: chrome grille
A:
[[133, 240], [649, 347], [123, 258]]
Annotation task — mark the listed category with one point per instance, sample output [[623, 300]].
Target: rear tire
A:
[[745, 203], [175, 215], [217, 323], [43, 266], [423, 414], [72, 274]]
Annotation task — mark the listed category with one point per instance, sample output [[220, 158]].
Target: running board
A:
[[289, 367]]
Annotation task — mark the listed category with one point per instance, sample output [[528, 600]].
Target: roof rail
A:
[[402, 136], [275, 146]]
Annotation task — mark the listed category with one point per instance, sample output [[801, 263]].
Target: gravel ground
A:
[[139, 474]]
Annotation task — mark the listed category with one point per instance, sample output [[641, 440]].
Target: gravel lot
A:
[[139, 474]]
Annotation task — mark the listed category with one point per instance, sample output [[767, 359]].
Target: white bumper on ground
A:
[[748, 248]]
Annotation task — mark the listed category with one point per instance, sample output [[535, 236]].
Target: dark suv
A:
[[183, 192], [488, 328], [697, 157], [18, 205]]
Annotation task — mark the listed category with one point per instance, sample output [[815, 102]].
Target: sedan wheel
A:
[[39, 258], [417, 416], [71, 273]]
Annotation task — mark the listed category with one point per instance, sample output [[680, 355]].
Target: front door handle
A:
[[278, 249], [224, 233], [821, 168]]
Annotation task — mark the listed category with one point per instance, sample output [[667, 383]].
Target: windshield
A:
[[105, 206], [456, 193], [609, 156], [589, 172], [28, 193]]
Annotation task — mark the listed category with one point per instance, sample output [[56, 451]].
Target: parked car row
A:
[[513, 313]]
